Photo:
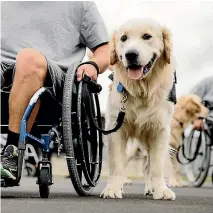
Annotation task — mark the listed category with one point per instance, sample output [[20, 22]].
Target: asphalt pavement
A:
[[63, 199]]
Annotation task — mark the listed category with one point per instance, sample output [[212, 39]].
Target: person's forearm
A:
[[101, 57]]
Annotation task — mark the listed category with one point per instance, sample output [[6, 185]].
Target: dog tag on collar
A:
[[120, 87]]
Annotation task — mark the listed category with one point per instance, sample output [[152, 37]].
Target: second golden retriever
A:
[[187, 109]]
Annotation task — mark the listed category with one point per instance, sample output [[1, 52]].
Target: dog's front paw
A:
[[111, 191], [163, 194]]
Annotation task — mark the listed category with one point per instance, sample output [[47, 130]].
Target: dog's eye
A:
[[146, 36], [123, 38]]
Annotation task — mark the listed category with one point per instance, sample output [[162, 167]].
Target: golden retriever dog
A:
[[143, 64], [187, 109]]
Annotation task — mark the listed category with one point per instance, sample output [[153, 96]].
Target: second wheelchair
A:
[[195, 152]]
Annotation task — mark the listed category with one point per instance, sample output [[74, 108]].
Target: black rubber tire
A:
[[89, 151], [82, 190], [188, 168], [44, 187]]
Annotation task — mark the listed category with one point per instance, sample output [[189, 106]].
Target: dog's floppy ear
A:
[[113, 55], [192, 107], [167, 44]]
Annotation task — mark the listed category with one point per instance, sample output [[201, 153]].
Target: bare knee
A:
[[30, 63]]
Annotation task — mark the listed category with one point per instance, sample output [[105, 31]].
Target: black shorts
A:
[[50, 110], [54, 80]]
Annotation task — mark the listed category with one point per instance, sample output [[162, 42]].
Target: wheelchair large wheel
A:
[[197, 170], [82, 141]]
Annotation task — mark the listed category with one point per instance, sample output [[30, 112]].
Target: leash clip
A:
[[123, 101]]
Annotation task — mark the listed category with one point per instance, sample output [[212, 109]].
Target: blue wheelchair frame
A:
[[43, 142]]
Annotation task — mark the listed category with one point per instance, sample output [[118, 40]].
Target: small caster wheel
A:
[[44, 182]]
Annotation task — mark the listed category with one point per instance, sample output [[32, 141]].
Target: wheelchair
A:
[[76, 130], [195, 152]]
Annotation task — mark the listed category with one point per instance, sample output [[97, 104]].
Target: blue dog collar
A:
[[120, 87]]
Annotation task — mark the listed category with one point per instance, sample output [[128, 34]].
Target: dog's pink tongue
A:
[[135, 73]]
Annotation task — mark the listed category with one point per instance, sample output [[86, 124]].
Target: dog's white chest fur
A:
[[139, 118]]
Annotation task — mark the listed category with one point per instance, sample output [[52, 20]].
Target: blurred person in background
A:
[[204, 89], [40, 40]]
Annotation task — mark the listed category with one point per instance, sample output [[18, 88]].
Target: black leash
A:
[[182, 147], [88, 88]]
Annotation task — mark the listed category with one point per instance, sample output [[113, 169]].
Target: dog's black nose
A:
[[132, 55]]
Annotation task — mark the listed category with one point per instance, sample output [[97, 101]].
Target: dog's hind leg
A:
[[147, 178], [116, 149], [131, 151], [158, 152], [173, 169]]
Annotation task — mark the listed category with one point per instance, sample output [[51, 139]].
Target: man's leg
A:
[[30, 74]]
